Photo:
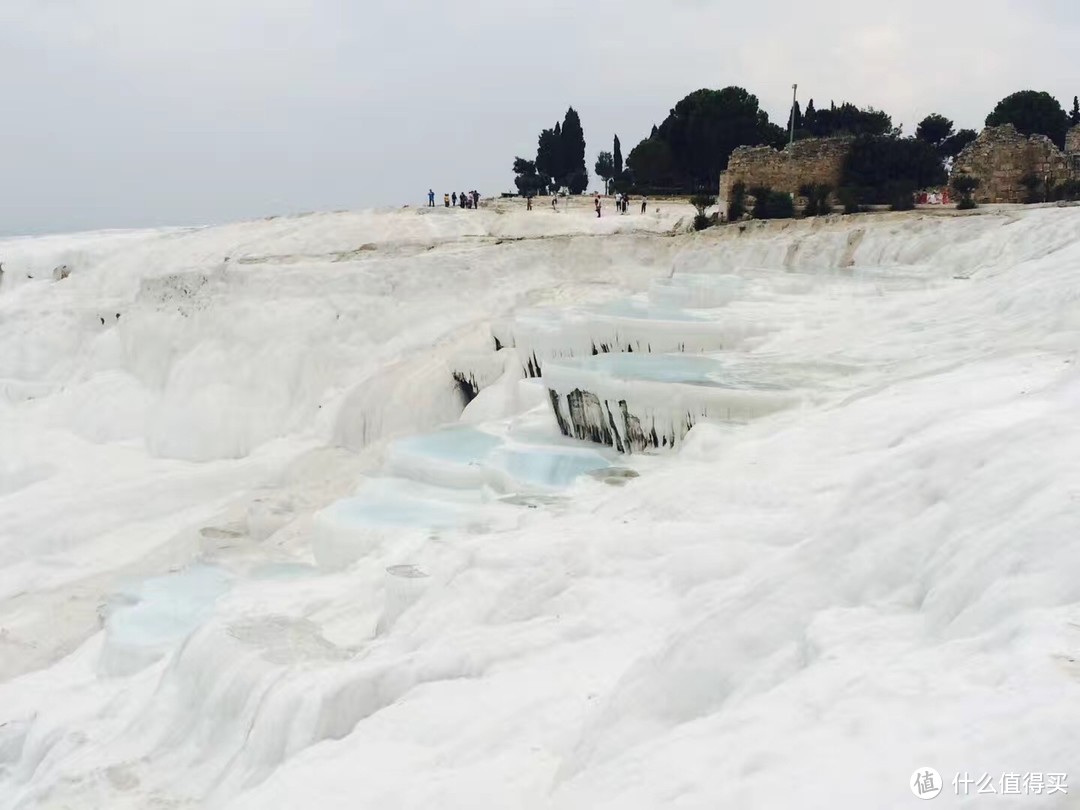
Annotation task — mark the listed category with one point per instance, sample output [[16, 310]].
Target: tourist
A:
[[430, 198], [528, 203], [596, 202], [453, 199], [644, 202], [446, 200]]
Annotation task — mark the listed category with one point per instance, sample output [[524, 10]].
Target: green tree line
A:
[[688, 150]]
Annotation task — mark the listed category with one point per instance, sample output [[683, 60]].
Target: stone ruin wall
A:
[[816, 160], [1072, 142], [1000, 158]]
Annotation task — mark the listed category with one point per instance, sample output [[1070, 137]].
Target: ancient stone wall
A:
[[815, 160], [1072, 141], [1002, 159]]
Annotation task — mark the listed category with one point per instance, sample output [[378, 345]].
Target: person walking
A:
[[596, 202], [528, 203], [453, 199], [644, 203], [462, 198], [430, 198]]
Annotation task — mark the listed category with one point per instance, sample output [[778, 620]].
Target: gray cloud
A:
[[127, 113]]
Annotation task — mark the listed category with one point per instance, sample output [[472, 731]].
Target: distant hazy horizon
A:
[[119, 115]]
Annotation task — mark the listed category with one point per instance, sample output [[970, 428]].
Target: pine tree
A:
[[1032, 113], [654, 132], [617, 156], [935, 129]]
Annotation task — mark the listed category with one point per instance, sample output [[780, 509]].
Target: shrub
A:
[[737, 204], [769, 204], [1069, 190], [1034, 192], [851, 198], [817, 199], [901, 197], [761, 201], [702, 202], [965, 185], [780, 206]]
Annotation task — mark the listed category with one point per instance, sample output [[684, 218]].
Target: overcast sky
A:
[[120, 113]]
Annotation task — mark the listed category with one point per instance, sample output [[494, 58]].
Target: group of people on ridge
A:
[[466, 199], [622, 202]]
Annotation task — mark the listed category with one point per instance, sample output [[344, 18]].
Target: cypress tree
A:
[[797, 113], [558, 165], [572, 153], [808, 117], [617, 156]]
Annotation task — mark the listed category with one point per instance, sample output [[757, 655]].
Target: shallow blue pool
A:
[[546, 467], [647, 310], [166, 608], [686, 369], [461, 445], [386, 509]]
